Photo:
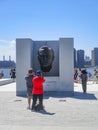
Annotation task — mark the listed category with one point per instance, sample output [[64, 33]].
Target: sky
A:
[[48, 20]]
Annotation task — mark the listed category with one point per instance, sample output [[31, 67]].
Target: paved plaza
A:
[[79, 112]]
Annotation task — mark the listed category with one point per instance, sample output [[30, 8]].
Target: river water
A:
[[6, 71]]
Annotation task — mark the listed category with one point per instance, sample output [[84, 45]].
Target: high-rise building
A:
[[3, 58], [75, 62], [87, 58], [87, 61], [9, 58], [95, 57], [92, 58], [80, 58]]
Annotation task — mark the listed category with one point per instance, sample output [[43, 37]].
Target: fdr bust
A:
[[45, 57]]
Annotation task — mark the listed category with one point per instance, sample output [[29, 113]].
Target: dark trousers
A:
[[84, 86], [39, 97]]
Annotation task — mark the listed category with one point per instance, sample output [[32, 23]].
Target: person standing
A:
[[13, 74], [1, 74], [84, 79], [79, 75], [29, 85], [38, 91], [97, 77], [94, 76], [75, 75]]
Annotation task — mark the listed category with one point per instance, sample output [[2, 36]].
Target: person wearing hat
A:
[[29, 76], [38, 91]]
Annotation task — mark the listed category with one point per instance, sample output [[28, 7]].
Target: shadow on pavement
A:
[[44, 112], [57, 94], [84, 96], [77, 95]]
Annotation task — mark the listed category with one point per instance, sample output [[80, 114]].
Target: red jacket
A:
[[38, 85]]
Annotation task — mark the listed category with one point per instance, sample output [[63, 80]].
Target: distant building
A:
[[94, 56], [87, 58], [87, 61], [3, 58], [7, 63], [80, 58], [9, 58], [75, 60]]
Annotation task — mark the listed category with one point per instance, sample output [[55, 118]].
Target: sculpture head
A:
[[45, 57]]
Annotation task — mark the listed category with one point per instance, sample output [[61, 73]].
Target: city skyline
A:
[[9, 57], [48, 20]]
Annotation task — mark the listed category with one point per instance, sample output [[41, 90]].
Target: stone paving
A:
[[79, 112]]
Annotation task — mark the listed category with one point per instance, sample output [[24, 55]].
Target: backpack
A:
[[29, 80]]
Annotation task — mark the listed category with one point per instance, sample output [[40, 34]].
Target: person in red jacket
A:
[[38, 91]]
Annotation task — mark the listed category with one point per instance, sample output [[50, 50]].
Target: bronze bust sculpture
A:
[[45, 57]]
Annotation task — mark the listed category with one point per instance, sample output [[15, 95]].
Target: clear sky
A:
[[48, 20]]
